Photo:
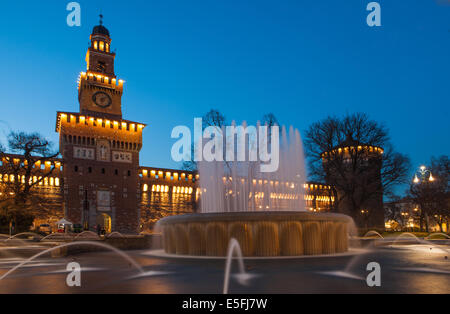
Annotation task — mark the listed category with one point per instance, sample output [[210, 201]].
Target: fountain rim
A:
[[255, 216]]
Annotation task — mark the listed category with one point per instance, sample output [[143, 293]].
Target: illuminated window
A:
[[102, 46], [95, 45]]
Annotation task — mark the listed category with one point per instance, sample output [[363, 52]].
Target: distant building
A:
[[360, 164]]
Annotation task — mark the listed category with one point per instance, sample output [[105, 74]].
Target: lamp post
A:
[[423, 176], [422, 172]]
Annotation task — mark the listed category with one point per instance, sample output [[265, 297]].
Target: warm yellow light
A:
[[416, 179], [431, 178]]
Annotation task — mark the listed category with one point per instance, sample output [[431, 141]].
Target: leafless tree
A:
[[433, 195], [214, 118], [20, 160], [211, 118]]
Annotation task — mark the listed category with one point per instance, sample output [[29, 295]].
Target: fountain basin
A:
[[258, 233]]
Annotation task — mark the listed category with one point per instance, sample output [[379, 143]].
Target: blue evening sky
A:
[[301, 60]]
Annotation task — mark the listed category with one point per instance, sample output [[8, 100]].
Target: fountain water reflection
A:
[[242, 277], [114, 234], [98, 244], [59, 236], [373, 233], [87, 235], [34, 235], [441, 234]]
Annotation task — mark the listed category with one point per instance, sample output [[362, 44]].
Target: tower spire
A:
[[101, 19]]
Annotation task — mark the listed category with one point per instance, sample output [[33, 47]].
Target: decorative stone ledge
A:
[[258, 233]]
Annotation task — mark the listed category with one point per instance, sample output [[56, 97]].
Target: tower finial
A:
[[101, 19]]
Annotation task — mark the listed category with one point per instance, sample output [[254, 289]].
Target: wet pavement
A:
[[408, 268]]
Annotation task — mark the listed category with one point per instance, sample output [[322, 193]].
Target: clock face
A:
[[102, 99]]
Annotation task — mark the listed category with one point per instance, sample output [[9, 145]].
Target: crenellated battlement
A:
[[351, 150], [67, 119]]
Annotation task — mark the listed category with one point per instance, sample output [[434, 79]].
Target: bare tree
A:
[[211, 118], [270, 120], [339, 152], [432, 193], [21, 168]]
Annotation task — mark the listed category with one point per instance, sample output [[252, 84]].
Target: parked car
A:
[[45, 228], [77, 228]]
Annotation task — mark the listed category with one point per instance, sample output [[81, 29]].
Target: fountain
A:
[[264, 212]]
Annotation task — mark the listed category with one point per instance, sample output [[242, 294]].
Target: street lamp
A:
[[422, 172], [423, 175]]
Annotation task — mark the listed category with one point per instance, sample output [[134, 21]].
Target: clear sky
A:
[[301, 60]]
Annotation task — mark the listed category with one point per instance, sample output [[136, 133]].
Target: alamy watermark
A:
[[74, 17], [373, 279], [374, 17], [73, 279], [211, 142]]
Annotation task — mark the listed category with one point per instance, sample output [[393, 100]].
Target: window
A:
[[129, 173], [116, 172], [90, 169], [76, 169], [103, 171]]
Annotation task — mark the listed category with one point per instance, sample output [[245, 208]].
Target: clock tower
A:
[[99, 91], [100, 150]]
